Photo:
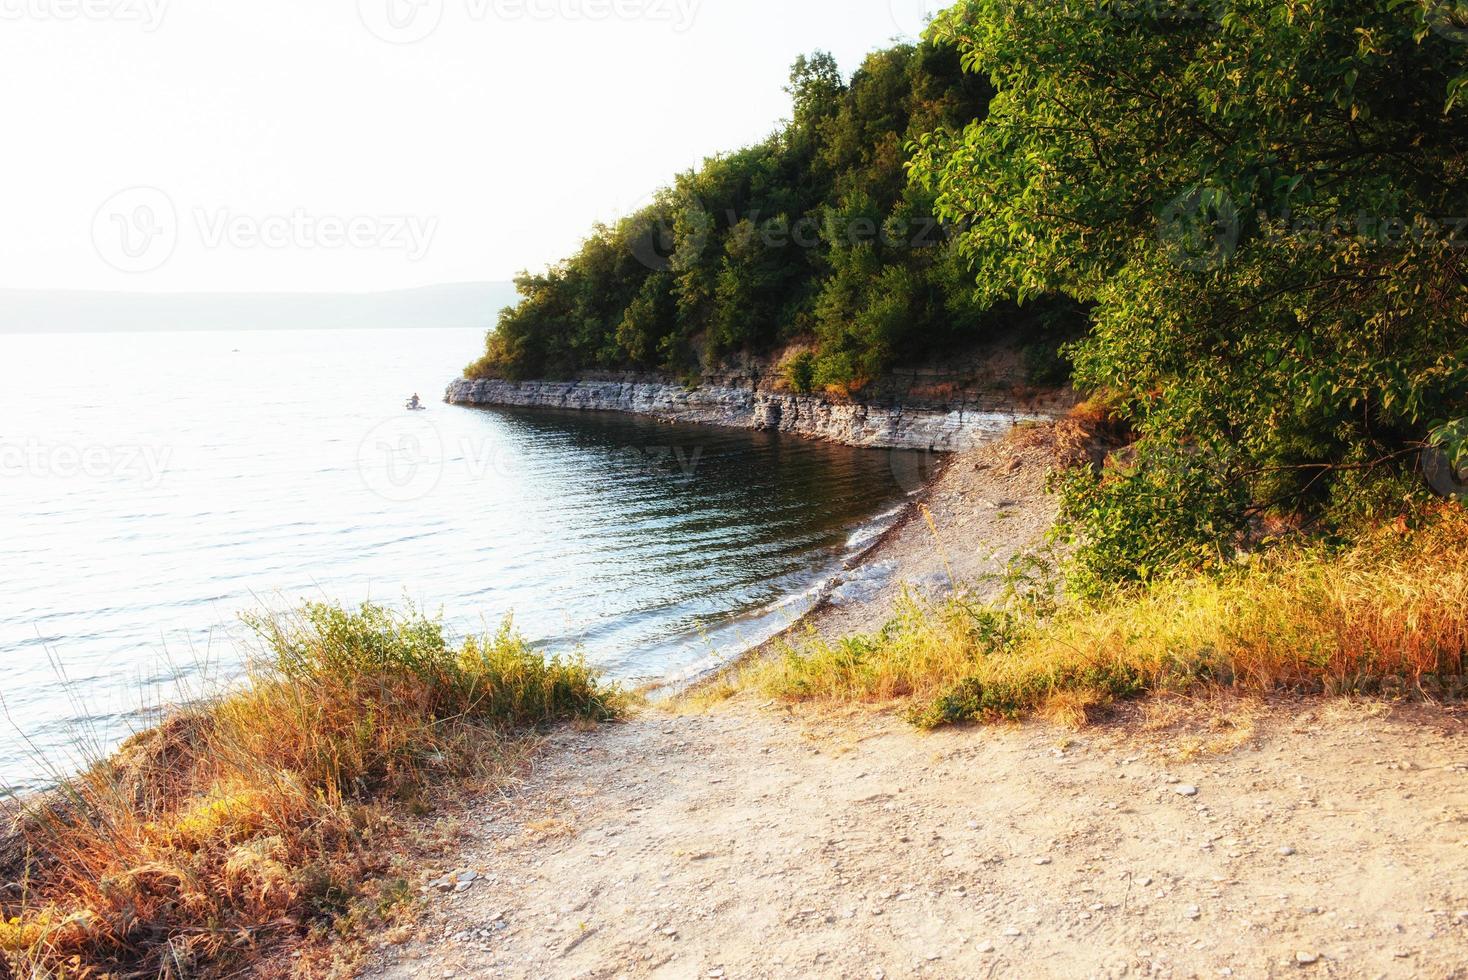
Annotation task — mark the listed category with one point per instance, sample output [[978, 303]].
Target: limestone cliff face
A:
[[941, 418]]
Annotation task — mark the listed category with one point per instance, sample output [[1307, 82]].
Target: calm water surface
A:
[[154, 486]]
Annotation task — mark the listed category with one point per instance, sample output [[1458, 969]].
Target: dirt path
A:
[[753, 842], [1310, 838]]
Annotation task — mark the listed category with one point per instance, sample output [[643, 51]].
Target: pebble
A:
[[1186, 790], [1193, 912], [1042, 861], [1305, 959], [985, 947], [1286, 851], [1012, 932]]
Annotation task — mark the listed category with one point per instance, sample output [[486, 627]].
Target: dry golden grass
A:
[[1387, 615], [239, 824]]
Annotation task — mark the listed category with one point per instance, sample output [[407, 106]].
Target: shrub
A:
[[800, 372], [1387, 613], [1146, 516], [240, 822]]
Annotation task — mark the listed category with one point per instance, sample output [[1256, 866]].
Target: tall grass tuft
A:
[[1388, 613], [241, 822]]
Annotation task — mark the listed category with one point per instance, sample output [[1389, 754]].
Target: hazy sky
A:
[[372, 144]]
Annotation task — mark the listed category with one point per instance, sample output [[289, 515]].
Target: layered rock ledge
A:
[[957, 424]]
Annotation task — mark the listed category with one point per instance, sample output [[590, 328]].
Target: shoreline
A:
[[957, 423], [690, 680], [966, 544]]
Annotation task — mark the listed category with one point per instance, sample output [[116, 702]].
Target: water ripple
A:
[[641, 543]]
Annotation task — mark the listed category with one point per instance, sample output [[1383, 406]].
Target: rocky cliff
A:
[[921, 414]]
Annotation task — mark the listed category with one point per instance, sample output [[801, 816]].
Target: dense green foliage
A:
[[1261, 204], [1267, 203], [815, 234]]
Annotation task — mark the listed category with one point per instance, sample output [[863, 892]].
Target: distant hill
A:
[[455, 305]]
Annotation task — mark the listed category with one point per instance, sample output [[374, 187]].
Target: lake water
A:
[[154, 486]]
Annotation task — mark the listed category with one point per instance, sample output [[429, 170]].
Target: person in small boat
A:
[[414, 403]]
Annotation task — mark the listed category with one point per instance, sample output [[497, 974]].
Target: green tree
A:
[[1259, 197], [811, 235]]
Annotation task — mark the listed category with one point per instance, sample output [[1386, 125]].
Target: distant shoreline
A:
[[454, 306]]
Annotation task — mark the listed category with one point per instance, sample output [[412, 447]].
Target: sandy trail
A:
[[1324, 838], [754, 842]]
